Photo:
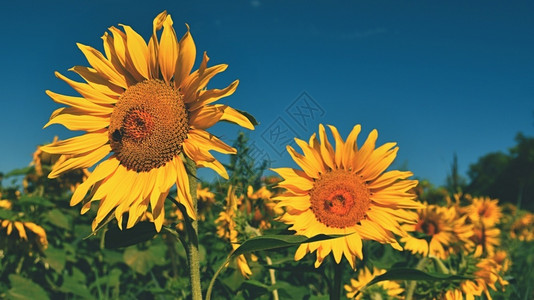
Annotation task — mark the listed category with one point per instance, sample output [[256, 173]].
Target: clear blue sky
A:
[[437, 77]]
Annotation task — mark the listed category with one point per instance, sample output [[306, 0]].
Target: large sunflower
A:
[[345, 191], [143, 112]]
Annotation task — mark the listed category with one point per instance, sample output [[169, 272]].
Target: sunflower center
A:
[[340, 199], [148, 125], [427, 227]]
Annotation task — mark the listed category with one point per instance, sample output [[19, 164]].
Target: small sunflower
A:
[[523, 228], [485, 210], [144, 112], [22, 228], [434, 232], [226, 228], [345, 191], [381, 290]]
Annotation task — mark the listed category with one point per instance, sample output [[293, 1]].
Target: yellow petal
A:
[[80, 103], [327, 152], [87, 91], [168, 50], [339, 145], [136, 51], [209, 96], [78, 144], [79, 122], [366, 150], [306, 164], [350, 146], [295, 177], [208, 141], [99, 82], [81, 161], [379, 162], [21, 230], [102, 65], [102, 171], [183, 189], [186, 58], [233, 116]]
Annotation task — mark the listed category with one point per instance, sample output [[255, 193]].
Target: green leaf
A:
[[56, 258], [141, 232], [21, 171], [35, 200], [23, 289], [59, 219], [142, 261], [414, 274], [269, 242], [75, 284], [7, 214]]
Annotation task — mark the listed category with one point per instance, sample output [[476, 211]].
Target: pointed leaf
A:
[[116, 238]]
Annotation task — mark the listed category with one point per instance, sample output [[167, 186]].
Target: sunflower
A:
[[345, 191], [435, 232], [485, 210], [485, 276], [523, 228], [226, 228], [22, 228], [486, 238], [144, 113], [386, 288]]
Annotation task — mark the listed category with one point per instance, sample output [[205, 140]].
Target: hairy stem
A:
[[194, 258]]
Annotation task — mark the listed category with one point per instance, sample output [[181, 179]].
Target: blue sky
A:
[[437, 77]]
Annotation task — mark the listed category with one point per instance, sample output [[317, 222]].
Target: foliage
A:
[[506, 176]]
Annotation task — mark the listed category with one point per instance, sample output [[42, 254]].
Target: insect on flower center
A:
[[148, 125], [340, 199]]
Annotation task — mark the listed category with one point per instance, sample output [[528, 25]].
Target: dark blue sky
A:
[[437, 77]]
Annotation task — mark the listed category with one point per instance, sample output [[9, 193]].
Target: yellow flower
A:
[[345, 191], [435, 232], [485, 210], [390, 288], [486, 275], [523, 228], [206, 199], [485, 238], [21, 228], [5, 204], [226, 228], [144, 112]]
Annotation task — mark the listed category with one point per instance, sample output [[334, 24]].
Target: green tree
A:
[[506, 176]]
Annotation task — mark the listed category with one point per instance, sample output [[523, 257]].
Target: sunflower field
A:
[[118, 212]]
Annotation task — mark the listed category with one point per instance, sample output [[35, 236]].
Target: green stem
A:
[[411, 286], [335, 293], [194, 257]]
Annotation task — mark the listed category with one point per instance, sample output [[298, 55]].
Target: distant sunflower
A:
[[434, 233], [22, 227], [485, 210], [144, 112], [226, 228], [523, 228], [486, 275], [381, 290], [345, 191]]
